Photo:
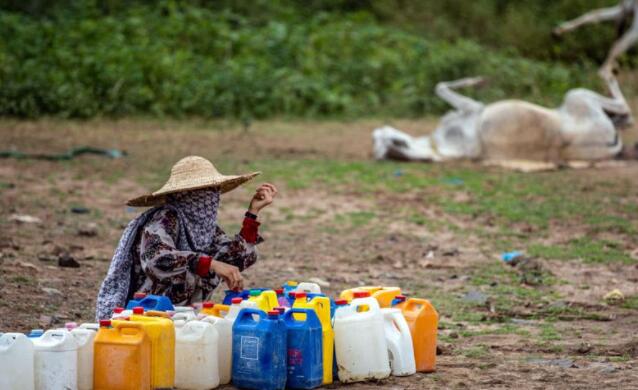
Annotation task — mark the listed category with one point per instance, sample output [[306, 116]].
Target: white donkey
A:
[[619, 13], [516, 133]]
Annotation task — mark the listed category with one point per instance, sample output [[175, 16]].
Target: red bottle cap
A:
[[300, 294], [279, 291], [292, 294], [139, 295], [105, 323], [361, 294], [280, 309], [118, 310], [273, 313], [341, 302], [236, 301], [401, 298], [208, 305], [138, 310]]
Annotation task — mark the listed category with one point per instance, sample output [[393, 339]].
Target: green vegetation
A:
[[281, 58]]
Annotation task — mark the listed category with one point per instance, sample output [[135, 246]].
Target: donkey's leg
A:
[[595, 16], [445, 90]]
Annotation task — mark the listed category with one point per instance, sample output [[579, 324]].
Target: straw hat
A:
[[191, 173]]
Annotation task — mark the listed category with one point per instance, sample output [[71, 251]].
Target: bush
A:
[[192, 60]]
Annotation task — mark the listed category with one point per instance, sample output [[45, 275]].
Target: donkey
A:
[[516, 133]]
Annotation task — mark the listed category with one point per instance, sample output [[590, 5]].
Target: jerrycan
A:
[[85, 339], [161, 333], [137, 297], [308, 287], [16, 362], [305, 351], [207, 308], [122, 357], [282, 301], [384, 295], [338, 303], [259, 350], [121, 313], [230, 294], [56, 360], [265, 300], [362, 350], [289, 286], [156, 303], [90, 326], [400, 350], [423, 321], [321, 306], [224, 328], [196, 356]]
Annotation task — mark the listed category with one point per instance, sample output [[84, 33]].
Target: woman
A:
[[176, 248]]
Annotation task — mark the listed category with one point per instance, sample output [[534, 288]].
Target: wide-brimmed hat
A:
[[191, 173]]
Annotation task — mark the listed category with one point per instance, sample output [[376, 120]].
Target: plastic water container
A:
[[338, 303], [423, 321], [85, 339], [236, 307], [305, 351], [384, 295], [196, 356], [259, 350], [70, 326], [399, 339], [16, 362], [291, 296], [154, 302], [230, 294], [137, 297], [308, 287], [282, 301], [224, 329], [265, 300], [90, 325], [207, 308], [56, 360], [185, 316], [161, 332], [362, 351], [289, 286], [122, 357], [321, 306]]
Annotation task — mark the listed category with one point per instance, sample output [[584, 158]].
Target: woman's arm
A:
[[159, 257], [240, 250]]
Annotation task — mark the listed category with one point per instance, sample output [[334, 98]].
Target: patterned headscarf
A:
[[197, 210]]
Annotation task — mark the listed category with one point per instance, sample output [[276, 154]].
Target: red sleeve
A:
[[203, 265], [250, 230]]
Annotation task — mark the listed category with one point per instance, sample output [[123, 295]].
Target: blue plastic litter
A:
[[509, 256], [259, 351], [152, 302], [305, 352]]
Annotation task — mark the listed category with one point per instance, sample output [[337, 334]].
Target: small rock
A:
[[88, 230], [604, 368], [443, 349], [80, 210], [451, 252], [320, 282], [23, 218], [475, 296], [51, 291], [66, 260], [454, 335], [563, 363], [584, 348]]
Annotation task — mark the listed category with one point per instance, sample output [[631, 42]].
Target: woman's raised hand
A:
[[229, 273], [262, 198]]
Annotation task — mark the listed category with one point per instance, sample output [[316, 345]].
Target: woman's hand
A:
[[262, 198], [229, 273]]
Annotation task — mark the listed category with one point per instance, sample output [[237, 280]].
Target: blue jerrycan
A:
[[153, 302], [305, 359], [259, 350], [230, 294]]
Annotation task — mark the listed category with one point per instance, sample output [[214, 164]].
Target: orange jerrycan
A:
[[423, 321], [122, 357], [161, 332], [321, 306], [383, 295], [218, 310]]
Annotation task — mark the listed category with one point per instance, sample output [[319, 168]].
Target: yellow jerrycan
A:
[[266, 300], [383, 295], [122, 357], [208, 308], [161, 332], [321, 306]]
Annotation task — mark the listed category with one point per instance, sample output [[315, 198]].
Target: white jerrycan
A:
[[90, 326], [308, 287], [84, 339], [399, 339], [16, 362], [360, 344], [196, 354], [56, 361], [234, 309], [225, 350], [184, 316]]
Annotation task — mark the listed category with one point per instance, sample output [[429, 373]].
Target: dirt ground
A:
[[437, 232]]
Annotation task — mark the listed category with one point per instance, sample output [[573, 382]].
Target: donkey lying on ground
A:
[[516, 133]]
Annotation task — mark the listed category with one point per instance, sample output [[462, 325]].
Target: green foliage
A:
[[224, 59]]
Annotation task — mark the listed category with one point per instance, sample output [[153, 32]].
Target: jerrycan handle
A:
[[414, 304], [291, 320], [123, 326], [246, 315], [157, 313]]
